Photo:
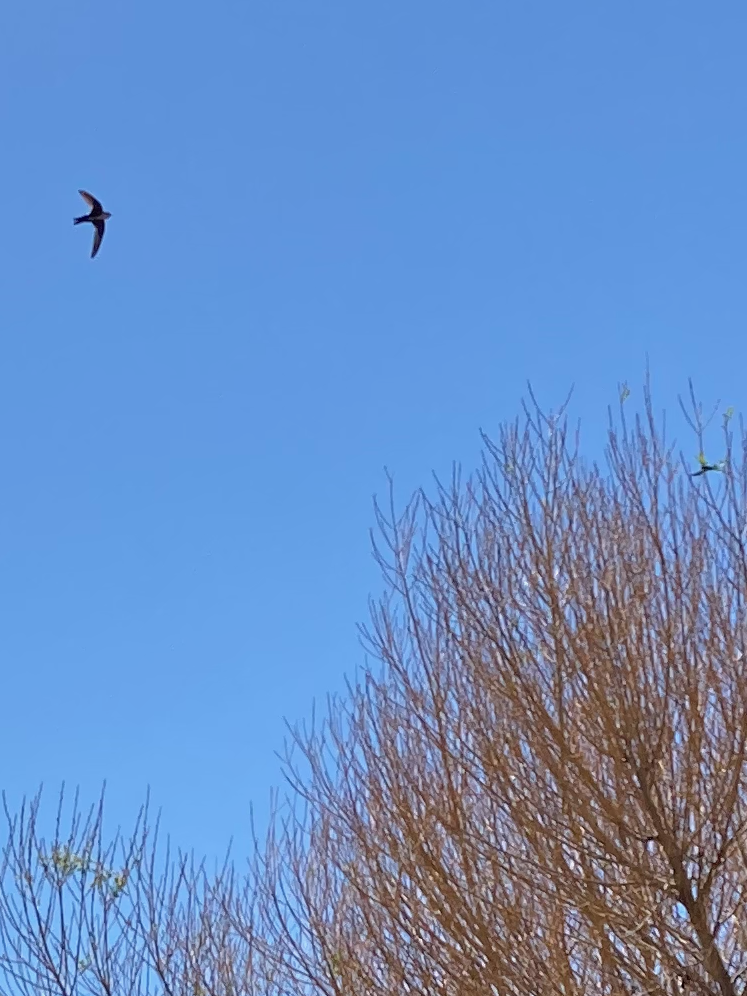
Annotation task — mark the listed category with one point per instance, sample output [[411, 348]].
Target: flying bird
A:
[[704, 469], [97, 216], [705, 466]]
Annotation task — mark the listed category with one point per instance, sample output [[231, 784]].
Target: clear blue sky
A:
[[344, 235]]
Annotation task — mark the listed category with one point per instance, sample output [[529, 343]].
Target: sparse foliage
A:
[[540, 788]]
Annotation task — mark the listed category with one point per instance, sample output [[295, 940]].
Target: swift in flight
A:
[[97, 216]]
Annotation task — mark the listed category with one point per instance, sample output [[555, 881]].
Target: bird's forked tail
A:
[[77, 221]]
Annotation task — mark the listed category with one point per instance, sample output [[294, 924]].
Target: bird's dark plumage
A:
[[97, 216], [705, 467]]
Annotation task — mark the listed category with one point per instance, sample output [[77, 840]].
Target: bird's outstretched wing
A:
[[91, 201], [97, 236]]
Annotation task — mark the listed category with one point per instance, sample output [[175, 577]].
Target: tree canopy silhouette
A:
[[538, 788]]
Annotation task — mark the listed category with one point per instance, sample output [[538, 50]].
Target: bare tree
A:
[[538, 789], [90, 914], [543, 791]]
